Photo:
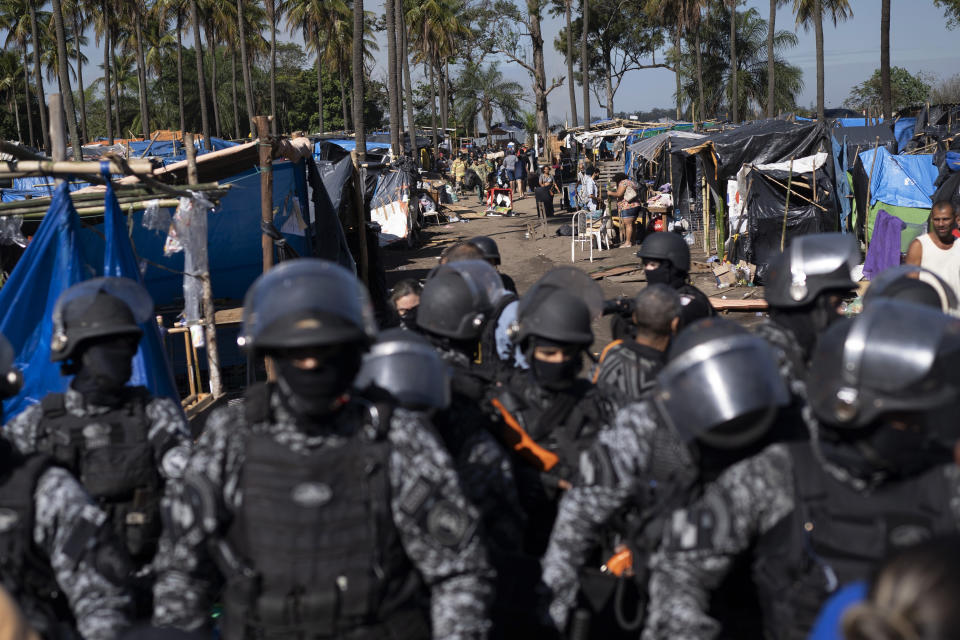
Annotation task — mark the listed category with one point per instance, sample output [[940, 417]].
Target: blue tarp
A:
[[840, 163], [903, 131], [170, 149], [58, 257], [39, 186], [855, 122], [902, 181], [349, 145]]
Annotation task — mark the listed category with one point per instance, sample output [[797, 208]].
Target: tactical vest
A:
[[24, 571], [318, 532], [836, 535], [490, 363], [114, 460]]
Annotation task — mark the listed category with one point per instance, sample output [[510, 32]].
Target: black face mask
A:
[[904, 453], [556, 376], [315, 393], [104, 369], [408, 320], [665, 274]]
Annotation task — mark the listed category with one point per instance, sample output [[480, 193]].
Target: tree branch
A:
[[557, 82]]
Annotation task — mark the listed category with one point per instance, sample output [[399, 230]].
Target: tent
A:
[[59, 256], [903, 185], [768, 220]]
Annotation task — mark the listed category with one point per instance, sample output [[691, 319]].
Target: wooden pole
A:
[[55, 167], [57, 149], [209, 321], [866, 219], [706, 214], [262, 124], [358, 172], [786, 207]]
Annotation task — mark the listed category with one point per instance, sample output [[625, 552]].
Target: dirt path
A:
[[527, 259]]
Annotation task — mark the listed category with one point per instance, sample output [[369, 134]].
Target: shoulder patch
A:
[[449, 524], [702, 526]]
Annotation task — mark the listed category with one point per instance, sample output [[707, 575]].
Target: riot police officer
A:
[[805, 288], [811, 516], [655, 457], [550, 412], [666, 260], [122, 443], [58, 557], [491, 253], [912, 283], [324, 516]]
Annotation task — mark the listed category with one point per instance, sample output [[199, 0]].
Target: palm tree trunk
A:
[[183, 119], [26, 87], [392, 81], [357, 59], [539, 70], [245, 64], [83, 97], [64, 73], [201, 81], [676, 69], [700, 101], [16, 112], [573, 93], [398, 33], [818, 31], [444, 121], [214, 94], [585, 64], [407, 83], [107, 58], [38, 79], [141, 72], [734, 93], [319, 90], [433, 108], [272, 14], [233, 92], [771, 62], [885, 92], [343, 97], [116, 85], [609, 82]]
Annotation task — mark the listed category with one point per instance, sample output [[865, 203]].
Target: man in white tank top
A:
[[939, 250]]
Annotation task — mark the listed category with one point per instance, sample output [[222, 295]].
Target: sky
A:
[[919, 41]]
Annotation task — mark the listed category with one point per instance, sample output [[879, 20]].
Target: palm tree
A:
[[201, 81], [392, 81], [565, 7], [176, 8], [245, 64], [210, 29], [133, 14], [272, 16], [360, 134], [735, 100], [64, 73], [585, 63], [810, 13], [38, 79], [752, 65], [81, 21], [407, 82], [481, 90], [102, 29], [13, 14], [885, 92], [771, 70], [9, 80]]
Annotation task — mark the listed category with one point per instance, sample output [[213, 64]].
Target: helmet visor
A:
[[81, 296], [411, 372]]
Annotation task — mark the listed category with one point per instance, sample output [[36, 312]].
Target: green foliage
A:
[[951, 11], [906, 90]]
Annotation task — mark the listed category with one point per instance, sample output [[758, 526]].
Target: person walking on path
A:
[[545, 191], [510, 162], [628, 204], [938, 250]]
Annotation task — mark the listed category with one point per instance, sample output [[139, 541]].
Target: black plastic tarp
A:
[[949, 189], [766, 207]]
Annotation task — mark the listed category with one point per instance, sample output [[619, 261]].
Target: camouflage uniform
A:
[[790, 354], [612, 473], [168, 432], [65, 524], [628, 367], [458, 575], [703, 541]]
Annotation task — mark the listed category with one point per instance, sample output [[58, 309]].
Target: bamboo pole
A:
[[149, 146], [262, 124], [866, 218], [706, 214], [786, 207], [38, 214], [59, 167], [209, 321], [58, 150]]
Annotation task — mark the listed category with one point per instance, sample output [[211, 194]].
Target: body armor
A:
[[318, 533], [112, 457], [836, 535], [630, 368], [23, 572]]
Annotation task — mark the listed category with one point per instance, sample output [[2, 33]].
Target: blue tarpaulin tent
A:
[[902, 180], [350, 145], [56, 259]]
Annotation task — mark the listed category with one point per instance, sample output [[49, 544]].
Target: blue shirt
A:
[[504, 344], [827, 626]]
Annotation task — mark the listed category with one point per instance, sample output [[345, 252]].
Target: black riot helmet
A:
[[458, 299], [489, 248], [721, 385], [97, 308], [11, 380], [666, 246], [912, 283], [896, 357], [405, 367], [559, 308], [811, 265], [306, 302]]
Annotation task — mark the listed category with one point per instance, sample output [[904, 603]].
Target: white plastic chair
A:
[[585, 231]]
